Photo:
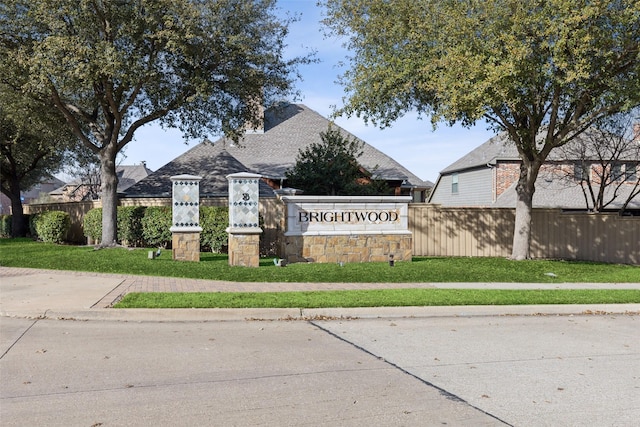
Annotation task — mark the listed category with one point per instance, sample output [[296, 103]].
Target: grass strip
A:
[[27, 253], [377, 298]]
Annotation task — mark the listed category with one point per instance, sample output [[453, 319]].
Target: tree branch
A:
[[66, 110]]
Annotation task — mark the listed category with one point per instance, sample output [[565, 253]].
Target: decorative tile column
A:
[[244, 230], [185, 224]]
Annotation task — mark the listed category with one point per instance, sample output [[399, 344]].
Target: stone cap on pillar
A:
[[247, 175], [185, 177]]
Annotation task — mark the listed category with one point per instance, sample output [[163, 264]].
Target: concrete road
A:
[[454, 371], [525, 370], [69, 373]]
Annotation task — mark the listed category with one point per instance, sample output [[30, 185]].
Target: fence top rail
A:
[[347, 199]]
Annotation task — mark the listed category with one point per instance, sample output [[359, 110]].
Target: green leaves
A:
[[52, 226], [331, 168], [113, 64], [462, 60]]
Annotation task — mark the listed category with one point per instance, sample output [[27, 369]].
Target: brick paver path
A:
[[132, 283]]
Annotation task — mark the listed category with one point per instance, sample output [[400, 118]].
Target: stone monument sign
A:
[[338, 229]]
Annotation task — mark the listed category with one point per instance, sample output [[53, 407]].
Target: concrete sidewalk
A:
[[54, 294]]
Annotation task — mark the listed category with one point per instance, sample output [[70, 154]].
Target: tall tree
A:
[[543, 71], [111, 67], [330, 167], [34, 143]]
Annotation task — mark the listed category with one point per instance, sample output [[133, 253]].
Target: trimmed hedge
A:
[[214, 222], [92, 224], [156, 223], [52, 226], [32, 226], [5, 225], [130, 225], [150, 226]]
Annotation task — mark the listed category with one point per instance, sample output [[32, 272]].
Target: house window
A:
[[454, 183], [630, 172], [579, 171], [616, 172], [624, 172]]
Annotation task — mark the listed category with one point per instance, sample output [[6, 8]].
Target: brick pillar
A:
[[244, 250]]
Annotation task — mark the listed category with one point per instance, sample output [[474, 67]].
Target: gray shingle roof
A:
[[562, 194], [495, 148], [501, 148], [288, 128], [212, 162], [128, 175], [44, 186]]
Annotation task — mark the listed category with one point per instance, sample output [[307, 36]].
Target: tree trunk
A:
[[19, 226], [524, 207], [109, 196]]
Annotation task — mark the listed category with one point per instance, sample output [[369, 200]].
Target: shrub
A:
[[5, 225], [92, 224], [156, 224], [52, 226], [130, 225], [32, 225], [214, 222]]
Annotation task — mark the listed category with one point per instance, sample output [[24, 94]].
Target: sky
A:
[[410, 141]]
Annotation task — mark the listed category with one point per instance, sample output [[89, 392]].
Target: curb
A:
[[291, 314]]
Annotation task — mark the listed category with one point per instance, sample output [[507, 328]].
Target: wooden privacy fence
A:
[[488, 232], [439, 231]]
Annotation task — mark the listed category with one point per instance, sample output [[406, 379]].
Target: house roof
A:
[[128, 175], [44, 186], [288, 128], [210, 161], [563, 194], [500, 148], [497, 148]]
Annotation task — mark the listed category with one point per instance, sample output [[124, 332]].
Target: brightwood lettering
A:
[[348, 216]]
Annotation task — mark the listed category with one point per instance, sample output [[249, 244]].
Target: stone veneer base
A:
[[348, 248], [186, 246], [244, 250]]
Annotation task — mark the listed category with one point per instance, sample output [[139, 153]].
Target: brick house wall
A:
[[507, 173]]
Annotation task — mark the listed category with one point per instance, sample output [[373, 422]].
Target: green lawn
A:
[[377, 298], [27, 253]]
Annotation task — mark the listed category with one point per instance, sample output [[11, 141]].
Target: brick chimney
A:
[[257, 110], [636, 131]]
